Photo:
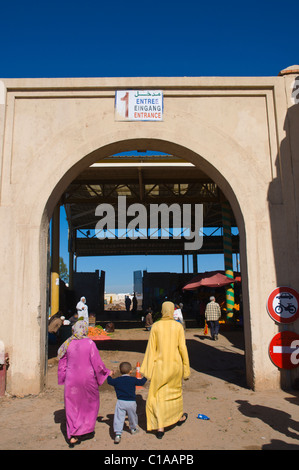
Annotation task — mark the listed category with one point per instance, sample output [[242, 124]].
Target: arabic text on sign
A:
[[139, 105]]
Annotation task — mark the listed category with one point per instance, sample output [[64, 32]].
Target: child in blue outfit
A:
[[126, 400]]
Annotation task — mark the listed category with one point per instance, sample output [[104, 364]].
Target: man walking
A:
[[212, 315]]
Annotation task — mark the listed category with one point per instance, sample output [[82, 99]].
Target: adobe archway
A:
[[197, 160], [228, 127]]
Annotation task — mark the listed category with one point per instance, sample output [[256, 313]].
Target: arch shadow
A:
[[216, 362], [204, 357]]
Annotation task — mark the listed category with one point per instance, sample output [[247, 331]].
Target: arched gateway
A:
[[242, 132]]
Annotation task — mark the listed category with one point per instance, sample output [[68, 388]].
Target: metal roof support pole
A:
[[71, 269], [71, 257], [55, 261], [228, 257], [195, 266]]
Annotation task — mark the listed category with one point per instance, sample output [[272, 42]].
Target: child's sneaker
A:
[[134, 431], [117, 439]]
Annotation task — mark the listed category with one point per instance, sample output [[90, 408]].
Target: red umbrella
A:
[[208, 279]]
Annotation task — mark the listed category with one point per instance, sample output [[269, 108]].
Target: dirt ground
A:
[[240, 419]]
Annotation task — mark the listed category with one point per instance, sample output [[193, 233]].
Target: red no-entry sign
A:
[[283, 305], [284, 350]]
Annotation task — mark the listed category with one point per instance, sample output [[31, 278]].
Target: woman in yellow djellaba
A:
[[165, 364]]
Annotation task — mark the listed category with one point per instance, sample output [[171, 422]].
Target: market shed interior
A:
[[145, 178]]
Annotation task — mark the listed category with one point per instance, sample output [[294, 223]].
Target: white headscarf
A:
[[82, 309], [82, 304]]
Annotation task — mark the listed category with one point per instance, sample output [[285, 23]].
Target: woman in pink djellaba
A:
[[81, 371]]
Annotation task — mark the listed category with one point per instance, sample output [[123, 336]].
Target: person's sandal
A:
[[159, 434], [73, 444], [182, 421]]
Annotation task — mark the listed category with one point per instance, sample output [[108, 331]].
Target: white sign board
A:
[[139, 105]]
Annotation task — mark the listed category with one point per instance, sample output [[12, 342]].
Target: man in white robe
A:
[[82, 309]]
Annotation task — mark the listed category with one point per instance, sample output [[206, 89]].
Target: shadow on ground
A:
[[278, 420], [205, 355]]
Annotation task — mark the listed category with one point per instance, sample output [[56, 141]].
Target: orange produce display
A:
[[97, 333]]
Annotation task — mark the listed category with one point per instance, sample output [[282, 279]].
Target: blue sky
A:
[[92, 38]]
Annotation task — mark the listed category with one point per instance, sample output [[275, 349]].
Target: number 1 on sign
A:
[[126, 100]]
